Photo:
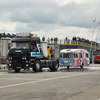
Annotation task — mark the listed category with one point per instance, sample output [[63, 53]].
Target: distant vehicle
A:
[[96, 54], [27, 51], [74, 57], [3, 60]]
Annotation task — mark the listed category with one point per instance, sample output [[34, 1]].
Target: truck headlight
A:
[[10, 58], [23, 58], [9, 64], [27, 65]]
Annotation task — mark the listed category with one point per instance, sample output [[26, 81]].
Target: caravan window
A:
[[80, 55], [72, 55], [76, 55], [66, 55], [87, 55]]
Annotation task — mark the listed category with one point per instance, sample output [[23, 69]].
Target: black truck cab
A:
[[19, 53], [27, 52]]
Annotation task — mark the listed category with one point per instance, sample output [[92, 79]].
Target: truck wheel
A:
[[37, 66], [55, 66], [95, 62]]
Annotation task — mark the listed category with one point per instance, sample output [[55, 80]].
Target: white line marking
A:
[[40, 80], [1, 74], [15, 78]]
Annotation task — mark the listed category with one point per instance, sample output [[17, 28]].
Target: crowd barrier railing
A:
[[74, 43]]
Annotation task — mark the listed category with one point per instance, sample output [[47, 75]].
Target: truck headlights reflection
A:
[[9, 64], [23, 58], [10, 58]]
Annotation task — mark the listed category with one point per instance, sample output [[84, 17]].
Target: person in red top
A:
[[56, 39]]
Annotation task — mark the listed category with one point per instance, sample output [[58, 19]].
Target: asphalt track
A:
[[64, 84]]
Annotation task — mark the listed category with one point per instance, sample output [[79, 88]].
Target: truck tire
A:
[[95, 62], [37, 66], [55, 66]]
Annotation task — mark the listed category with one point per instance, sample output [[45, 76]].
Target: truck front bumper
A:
[[18, 66]]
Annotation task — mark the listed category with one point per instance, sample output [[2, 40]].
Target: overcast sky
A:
[[51, 18]]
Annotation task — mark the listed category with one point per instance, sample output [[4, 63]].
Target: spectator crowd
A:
[[55, 39], [84, 40]]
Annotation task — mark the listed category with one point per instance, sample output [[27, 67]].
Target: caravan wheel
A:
[[82, 65], [67, 67]]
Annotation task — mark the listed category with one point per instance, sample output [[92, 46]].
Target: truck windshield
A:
[[23, 45], [96, 53]]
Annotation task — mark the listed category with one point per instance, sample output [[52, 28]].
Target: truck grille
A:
[[98, 57], [17, 59]]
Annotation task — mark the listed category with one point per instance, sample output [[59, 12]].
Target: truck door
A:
[[35, 51]]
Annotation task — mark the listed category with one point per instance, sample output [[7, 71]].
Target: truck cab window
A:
[[19, 45], [34, 48]]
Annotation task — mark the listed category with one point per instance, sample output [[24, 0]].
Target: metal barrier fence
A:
[[74, 43]]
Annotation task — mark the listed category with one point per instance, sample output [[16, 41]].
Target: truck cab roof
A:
[[26, 39]]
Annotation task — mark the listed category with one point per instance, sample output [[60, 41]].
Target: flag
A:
[[97, 24], [93, 22]]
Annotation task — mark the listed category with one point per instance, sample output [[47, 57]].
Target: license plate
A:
[[17, 50], [18, 67]]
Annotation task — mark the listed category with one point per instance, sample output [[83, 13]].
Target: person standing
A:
[[48, 40], [56, 39], [43, 39], [51, 40]]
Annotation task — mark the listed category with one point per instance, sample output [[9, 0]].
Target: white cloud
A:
[[7, 27], [55, 18], [65, 2]]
